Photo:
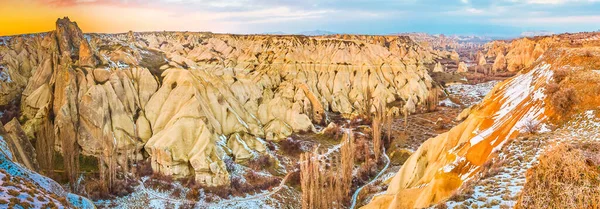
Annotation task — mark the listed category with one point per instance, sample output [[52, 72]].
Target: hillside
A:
[[558, 84]]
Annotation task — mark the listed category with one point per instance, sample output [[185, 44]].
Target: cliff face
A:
[[17, 165], [190, 100], [442, 164], [522, 53]]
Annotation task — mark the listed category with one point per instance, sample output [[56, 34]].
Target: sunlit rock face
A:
[[442, 164], [521, 53], [189, 100]]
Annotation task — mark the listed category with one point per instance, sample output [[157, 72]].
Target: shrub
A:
[[294, 179], [263, 161], [441, 206], [13, 193], [552, 88], [564, 100], [291, 146], [144, 168], [531, 126], [560, 74], [96, 190], [333, 131], [562, 179]]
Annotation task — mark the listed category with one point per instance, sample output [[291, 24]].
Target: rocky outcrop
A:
[[442, 164], [481, 59], [118, 97], [33, 190], [454, 56], [462, 68], [19, 145], [438, 67], [499, 63]]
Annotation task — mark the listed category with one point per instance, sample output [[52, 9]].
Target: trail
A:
[[257, 196], [355, 195]]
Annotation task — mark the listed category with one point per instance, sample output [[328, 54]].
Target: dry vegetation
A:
[[326, 181], [567, 176]]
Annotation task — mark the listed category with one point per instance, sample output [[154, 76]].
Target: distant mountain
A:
[[536, 33], [306, 33], [317, 33], [275, 33]]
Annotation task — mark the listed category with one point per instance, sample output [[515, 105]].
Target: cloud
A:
[[277, 14], [581, 19], [69, 3], [472, 10], [555, 2]]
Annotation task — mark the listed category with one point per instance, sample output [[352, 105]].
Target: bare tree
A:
[[376, 127], [326, 181]]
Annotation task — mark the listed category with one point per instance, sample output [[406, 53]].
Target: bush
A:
[[441, 206], [291, 146], [552, 88], [560, 74], [564, 100], [144, 168], [531, 126], [263, 161], [563, 178]]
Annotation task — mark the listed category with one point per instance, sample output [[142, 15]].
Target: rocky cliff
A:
[[522, 53], [190, 100], [442, 164], [21, 186]]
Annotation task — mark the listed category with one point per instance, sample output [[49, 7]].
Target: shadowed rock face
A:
[[17, 169], [190, 100]]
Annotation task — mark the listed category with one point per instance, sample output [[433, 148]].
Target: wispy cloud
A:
[[358, 16], [555, 2], [584, 19]]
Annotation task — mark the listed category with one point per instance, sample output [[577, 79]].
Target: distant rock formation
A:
[[462, 68], [499, 63], [481, 59], [438, 67]]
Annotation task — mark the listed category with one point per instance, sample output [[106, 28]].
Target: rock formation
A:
[[438, 67], [33, 189], [118, 97], [462, 68], [481, 59], [499, 63], [442, 164], [454, 56]]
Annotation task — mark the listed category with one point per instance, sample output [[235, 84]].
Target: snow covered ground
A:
[[502, 188], [470, 94], [21, 187]]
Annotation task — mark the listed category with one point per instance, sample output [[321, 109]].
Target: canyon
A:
[[207, 120]]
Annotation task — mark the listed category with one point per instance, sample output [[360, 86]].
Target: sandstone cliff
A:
[[17, 177], [522, 53], [190, 100], [442, 164]]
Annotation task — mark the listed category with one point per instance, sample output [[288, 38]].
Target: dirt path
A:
[[355, 195]]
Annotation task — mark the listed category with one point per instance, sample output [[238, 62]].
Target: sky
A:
[[463, 17]]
